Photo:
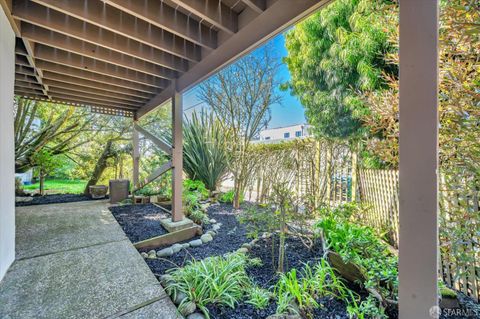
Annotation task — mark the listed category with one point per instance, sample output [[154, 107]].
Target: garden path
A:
[[74, 261]]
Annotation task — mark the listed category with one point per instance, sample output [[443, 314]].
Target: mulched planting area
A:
[[52, 199], [231, 237], [140, 221]]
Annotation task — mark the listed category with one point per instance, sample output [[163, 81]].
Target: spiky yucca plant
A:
[[205, 152]]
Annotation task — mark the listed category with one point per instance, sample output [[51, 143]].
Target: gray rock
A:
[[176, 248], [242, 250], [165, 280], [248, 246], [212, 233], [152, 254], [284, 316], [187, 308], [213, 221], [180, 296], [166, 252], [206, 238], [185, 245], [144, 255], [196, 243], [216, 227], [196, 315]]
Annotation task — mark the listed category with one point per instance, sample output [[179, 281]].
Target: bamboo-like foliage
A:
[[205, 151]]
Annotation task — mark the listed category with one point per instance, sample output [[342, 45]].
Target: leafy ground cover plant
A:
[[360, 245], [220, 280], [258, 297], [228, 197]]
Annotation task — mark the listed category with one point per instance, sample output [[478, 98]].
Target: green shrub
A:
[[195, 186], [360, 245], [229, 196], [198, 217], [205, 153], [213, 280]]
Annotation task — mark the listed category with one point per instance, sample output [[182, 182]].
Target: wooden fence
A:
[[329, 173]]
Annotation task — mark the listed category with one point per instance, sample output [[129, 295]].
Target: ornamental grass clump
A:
[[219, 280]]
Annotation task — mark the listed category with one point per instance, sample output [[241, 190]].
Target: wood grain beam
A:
[[56, 21], [98, 13], [25, 70], [87, 75], [22, 60], [59, 97], [87, 84], [98, 92], [58, 56], [275, 19], [158, 142], [163, 16], [25, 78], [60, 41], [256, 5], [28, 85], [212, 11], [74, 94]]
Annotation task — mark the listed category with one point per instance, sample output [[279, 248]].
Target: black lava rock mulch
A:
[[141, 221], [231, 237], [54, 199]]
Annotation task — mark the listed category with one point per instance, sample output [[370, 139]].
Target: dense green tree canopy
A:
[[332, 56]]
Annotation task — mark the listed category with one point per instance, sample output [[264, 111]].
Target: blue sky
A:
[[288, 112]]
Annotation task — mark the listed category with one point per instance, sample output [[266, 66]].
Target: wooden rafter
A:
[[88, 75], [56, 21], [88, 85], [97, 13], [256, 5], [163, 16], [91, 95], [57, 40], [212, 11], [58, 56]]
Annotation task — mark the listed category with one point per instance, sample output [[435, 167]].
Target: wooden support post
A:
[[418, 267], [177, 157], [136, 154]]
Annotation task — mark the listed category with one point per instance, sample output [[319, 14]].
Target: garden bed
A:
[[51, 199], [141, 221]]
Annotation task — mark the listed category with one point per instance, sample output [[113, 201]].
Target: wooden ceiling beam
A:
[[59, 97], [256, 5], [56, 21], [100, 14], [60, 41], [58, 56], [22, 60], [18, 89], [96, 91], [28, 85], [165, 17], [87, 75], [63, 78], [275, 19], [91, 97], [21, 69], [25, 78], [212, 11]]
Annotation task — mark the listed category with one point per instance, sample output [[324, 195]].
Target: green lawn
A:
[[60, 186]]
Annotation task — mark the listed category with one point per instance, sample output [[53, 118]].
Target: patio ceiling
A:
[[126, 57]]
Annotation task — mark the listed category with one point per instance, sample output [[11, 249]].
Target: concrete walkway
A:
[[74, 261]]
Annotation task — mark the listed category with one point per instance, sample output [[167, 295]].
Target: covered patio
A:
[[128, 57]]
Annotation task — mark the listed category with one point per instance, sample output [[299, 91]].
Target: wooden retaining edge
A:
[[170, 238]]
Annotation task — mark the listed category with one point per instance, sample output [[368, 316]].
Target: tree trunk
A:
[[238, 191], [42, 182], [100, 166], [281, 247]]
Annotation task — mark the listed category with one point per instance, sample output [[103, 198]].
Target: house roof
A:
[[127, 57]]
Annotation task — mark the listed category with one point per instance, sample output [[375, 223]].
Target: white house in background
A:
[[285, 132]]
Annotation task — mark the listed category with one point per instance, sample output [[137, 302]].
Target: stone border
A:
[[175, 248]]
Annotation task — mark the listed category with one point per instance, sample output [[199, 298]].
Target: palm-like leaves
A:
[[205, 151]]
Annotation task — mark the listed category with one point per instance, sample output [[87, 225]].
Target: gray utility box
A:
[[119, 190]]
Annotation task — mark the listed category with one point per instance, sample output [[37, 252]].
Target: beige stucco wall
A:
[[7, 164]]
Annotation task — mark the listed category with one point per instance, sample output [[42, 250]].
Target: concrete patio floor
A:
[[74, 261]]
